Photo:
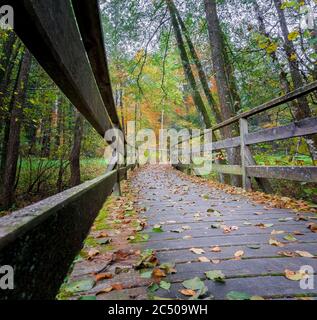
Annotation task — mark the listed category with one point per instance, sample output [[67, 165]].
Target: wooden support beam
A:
[[296, 129], [227, 169], [49, 29], [305, 174], [244, 129]]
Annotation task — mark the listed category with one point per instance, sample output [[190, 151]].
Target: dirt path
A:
[[202, 229]]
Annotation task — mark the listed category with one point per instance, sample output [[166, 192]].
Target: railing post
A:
[[244, 130]]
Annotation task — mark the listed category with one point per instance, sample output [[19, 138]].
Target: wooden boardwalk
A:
[[190, 215], [232, 233]]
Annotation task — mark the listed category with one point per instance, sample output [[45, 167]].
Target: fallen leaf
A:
[[290, 238], [157, 228], [215, 249], [304, 254], [203, 259], [215, 275], [103, 276], [186, 227], [117, 286], [105, 290], [239, 254], [153, 287], [158, 273], [215, 261], [197, 250], [102, 234], [194, 284], [295, 275], [165, 285], [276, 232], [80, 285], [236, 295], [287, 254], [187, 292], [187, 237], [298, 233], [274, 242], [92, 253], [312, 227], [254, 246]]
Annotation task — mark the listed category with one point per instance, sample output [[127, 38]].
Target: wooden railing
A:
[[248, 167], [41, 241]]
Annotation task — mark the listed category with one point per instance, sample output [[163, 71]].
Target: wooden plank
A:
[[305, 174], [269, 105], [296, 129], [49, 29], [227, 169], [89, 22]]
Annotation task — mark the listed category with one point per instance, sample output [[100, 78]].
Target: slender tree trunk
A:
[[75, 153], [201, 73], [221, 73], [187, 67], [302, 108], [15, 128]]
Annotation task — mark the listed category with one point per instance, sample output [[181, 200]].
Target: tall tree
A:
[[187, 66], [227, 105], [302, 108], [201, 73], [12, 152], [75, 153]]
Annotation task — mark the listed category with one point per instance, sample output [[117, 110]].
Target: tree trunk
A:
[[302, 108], [227, 106], [201, 73], [14, 132], [75, 153], [187, 67]]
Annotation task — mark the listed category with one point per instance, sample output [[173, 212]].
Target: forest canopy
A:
[[201, 62]]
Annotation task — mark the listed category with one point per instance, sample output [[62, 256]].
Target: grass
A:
[[38, 178]]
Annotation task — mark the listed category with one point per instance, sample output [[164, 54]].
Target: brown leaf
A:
[[305, 254], [197, 250], [203, 259], [239, 254], [215, 261], [275, 232], [117, 286], [215, 249], [298, 233], [92, 253], [158, 273], [274, 242], [187, 292], [102, 234], [103, 276], [287, 254], [312, 227]]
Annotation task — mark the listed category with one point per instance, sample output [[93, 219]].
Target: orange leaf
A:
[[187, 292], [158, 273], [215, 249], [103, 276], [117, 286]]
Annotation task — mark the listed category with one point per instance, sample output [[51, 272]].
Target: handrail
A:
[[261, 108]]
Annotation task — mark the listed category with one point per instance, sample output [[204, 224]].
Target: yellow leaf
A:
[[293, 35]]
